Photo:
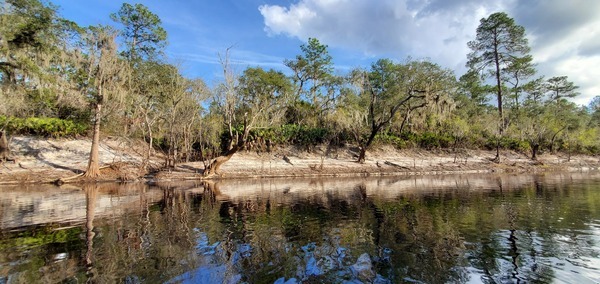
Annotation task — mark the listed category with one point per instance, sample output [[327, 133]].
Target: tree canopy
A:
[[143, 34]]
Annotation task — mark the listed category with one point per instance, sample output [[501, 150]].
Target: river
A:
[[412, 229]]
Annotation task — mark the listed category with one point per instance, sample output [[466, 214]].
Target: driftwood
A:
[[396, 165], [287, 160]]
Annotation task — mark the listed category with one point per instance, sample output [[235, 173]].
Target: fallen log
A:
[[396, 165]]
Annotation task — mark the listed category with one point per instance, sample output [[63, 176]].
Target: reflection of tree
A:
[[519, 228], [91, 191], [171, 237], [271, 240], [283, 238], [425, 244], [513, 248]]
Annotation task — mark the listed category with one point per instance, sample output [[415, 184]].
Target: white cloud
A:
[[562, 35], [583, 71], [389, 27], [283, 20], [564, 41]]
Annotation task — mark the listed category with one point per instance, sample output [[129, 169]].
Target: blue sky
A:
[[564, 35]]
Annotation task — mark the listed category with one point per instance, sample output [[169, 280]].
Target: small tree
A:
[[144, 40], [547, 119], [147, 101], [312, 75], [471, 97], [535, 126], [516, 74], [180, 109], [560, 88]]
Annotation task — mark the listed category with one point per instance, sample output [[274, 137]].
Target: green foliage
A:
[[299, 112], [391, 139], [142, 31], [313, 76], [430, 140], [43, 126], [33, 57], [314, 64], [583, 141], [426, 140], [298, 135], [594, 109], [288, 134], [560, 88], [509, 143], [262, 95], [310, 136], [500, 51]]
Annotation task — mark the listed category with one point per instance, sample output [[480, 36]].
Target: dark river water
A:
[[410, 229]]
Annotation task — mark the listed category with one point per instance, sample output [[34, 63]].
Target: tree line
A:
[[117, 79]]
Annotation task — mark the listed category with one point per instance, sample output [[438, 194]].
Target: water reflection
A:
[[459, 229], [90, 198]]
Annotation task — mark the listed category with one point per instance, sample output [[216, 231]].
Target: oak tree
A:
[[389, 89]]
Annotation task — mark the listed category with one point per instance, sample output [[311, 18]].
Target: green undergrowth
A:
[[289, 134], [43, 126]]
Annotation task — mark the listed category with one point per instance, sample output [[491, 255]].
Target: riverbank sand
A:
[[45, 160]]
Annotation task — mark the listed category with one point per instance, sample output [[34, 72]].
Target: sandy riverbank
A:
[[45, 160]]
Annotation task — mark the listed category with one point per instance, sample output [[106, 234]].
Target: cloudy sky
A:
[[564, 35]]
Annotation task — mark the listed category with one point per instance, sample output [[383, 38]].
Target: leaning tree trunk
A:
[[213, 168], [554, 136], [363, 148], [93, 169]]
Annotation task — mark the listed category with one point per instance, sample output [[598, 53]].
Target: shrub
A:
[[43, 126], [391, 139], [430, 140], [509, 143], [285, 134]]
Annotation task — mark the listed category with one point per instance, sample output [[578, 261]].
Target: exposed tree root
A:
[[62, 181]]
